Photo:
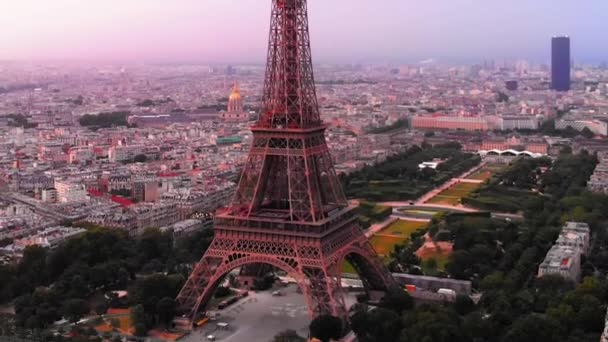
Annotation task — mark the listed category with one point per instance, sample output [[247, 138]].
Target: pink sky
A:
[[129, 29], [342, 30]]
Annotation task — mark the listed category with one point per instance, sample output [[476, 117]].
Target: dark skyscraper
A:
[[560, 63]]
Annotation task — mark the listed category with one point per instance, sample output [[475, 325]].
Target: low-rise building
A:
[[49, 195], [158, 214], [48, 238], [469, 123], [575, 235], [123, 153], [599, 127], [187, 227], [115, 220], [519, 122], [71, 190], [599, 179], [562, 260]]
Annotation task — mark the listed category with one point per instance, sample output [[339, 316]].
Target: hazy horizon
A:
[[342, 31]]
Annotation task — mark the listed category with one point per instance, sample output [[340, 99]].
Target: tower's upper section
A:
[[289, 100]]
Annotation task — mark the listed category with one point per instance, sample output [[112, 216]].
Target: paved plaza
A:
[[259, 317]]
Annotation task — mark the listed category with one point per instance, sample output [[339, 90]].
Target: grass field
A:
[[434, 263], [384, 244], [385, 240], [397, 233], [454, 194], [348, 268], [486, 172], [434, 256], [402, 228]]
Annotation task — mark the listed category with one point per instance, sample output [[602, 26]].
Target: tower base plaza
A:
[[260, 317]]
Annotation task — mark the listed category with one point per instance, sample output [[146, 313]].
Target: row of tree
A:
[[71, 280], [400, 178], [104, 120]]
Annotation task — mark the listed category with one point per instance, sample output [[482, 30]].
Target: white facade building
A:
[[562, 260], [69, 191]]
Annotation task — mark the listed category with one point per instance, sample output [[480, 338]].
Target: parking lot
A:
[[258, 318]]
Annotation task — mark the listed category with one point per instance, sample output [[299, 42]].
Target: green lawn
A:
[[403, 228], [385, 241], [397, 233], [384, 244], [348, 268], [440, 261], [454, 194], [486, 172]]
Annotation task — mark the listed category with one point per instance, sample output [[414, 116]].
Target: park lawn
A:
[[454, 194], [481, 175], [447, 200], [441, 260], [486, 172], [384, 241], [384, 244], [403, 228], [347, 267], [395, 234]]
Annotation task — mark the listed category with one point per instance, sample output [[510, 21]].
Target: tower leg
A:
[[200, 285], [325, 292], [370, 268]]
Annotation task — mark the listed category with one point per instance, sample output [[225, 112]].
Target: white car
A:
[[210, 338]]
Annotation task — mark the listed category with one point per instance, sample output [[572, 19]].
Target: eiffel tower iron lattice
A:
[[289, 210]]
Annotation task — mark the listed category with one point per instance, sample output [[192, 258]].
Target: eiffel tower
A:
[[289, 210]]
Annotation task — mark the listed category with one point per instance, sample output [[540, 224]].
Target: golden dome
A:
[[235, 95]]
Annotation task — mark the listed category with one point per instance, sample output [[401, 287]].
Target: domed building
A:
[[235, 112]]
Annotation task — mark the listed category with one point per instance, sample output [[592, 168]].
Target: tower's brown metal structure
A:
[[289, 210]]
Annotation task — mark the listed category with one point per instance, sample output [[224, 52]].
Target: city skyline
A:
[[215, 31]]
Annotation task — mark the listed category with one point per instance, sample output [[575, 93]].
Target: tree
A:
[[138, 319], [165, 308], [140, 158], [146, 103], [101, 308], [264, 283], [104, 119], [432, 323], [288, 336], [397, 300], [326, 328], [532, 328], [502, 97], [464, 305], [587, 133], [33, 266], [75, 309], [376, 325], [222, 292]]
